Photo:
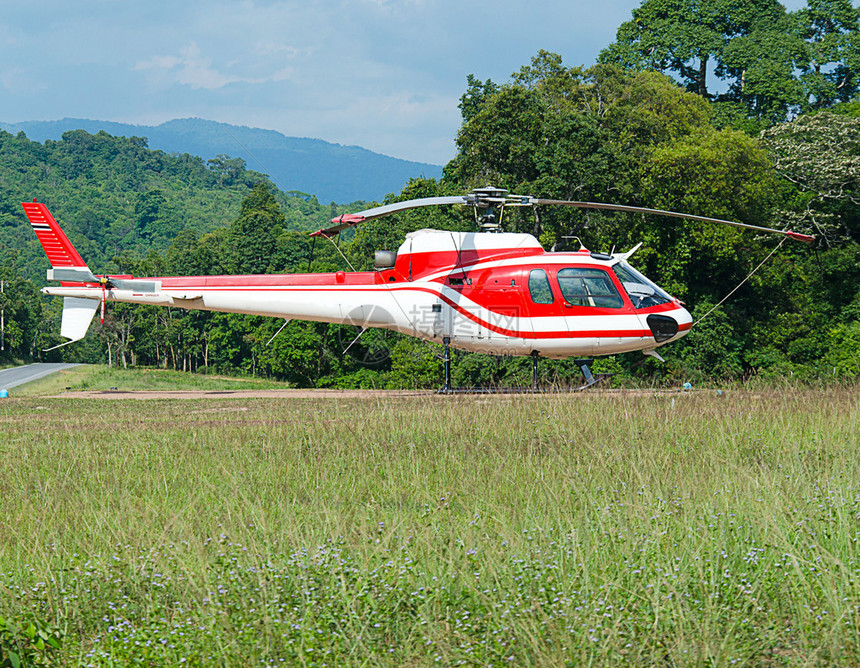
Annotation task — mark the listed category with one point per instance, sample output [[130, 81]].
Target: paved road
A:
[[19, 375]]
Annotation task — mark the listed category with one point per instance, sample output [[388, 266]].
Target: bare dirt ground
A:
[[240, 394], [332, 394]]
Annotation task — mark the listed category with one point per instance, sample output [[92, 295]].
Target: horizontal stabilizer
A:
[[72, 275], [84, 275], [134, 285]]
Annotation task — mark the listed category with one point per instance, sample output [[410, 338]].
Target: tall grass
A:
[[667, 528]]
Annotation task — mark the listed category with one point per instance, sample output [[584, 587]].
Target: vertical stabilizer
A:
[[58, 248]]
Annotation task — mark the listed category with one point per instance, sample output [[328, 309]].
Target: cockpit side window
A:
[[586, 286], [539, 287], [642, 292]]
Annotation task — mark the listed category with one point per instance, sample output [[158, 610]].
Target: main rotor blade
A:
[[489, 197], [797, 236], [347, 220]]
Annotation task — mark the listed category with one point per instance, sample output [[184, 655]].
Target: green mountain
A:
[[331, 172], [114, 195]]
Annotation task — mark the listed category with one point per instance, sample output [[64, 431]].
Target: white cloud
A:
[[394, 7], [384, 74], [269, 49], [18, 81], [191, 68]]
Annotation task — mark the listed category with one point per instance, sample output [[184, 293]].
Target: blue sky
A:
[[383, 74]]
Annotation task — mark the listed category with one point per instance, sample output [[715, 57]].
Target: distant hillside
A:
[[331, 172], [113, 195]]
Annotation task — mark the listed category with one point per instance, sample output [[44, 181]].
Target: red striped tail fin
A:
[[58, 248]]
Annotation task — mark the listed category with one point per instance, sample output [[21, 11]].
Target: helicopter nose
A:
[[667, 326]]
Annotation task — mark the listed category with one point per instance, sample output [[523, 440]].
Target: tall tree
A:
[[476, 92], [760, 68], [831, 66], [820, 155], [775, 63], [252, 239], [152, 217], [573, 134], [687, 37]]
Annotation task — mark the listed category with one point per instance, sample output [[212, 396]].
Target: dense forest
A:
[[778, 146]]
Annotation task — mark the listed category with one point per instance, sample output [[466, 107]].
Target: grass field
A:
[[654, 528], [104, 378]]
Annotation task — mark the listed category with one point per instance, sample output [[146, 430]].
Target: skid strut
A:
[[583, 364], [446, 365]]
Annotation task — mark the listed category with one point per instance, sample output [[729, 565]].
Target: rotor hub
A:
[[487, 196]]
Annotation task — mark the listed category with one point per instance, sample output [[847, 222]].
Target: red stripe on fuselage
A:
[[365, 278], [327, 283]]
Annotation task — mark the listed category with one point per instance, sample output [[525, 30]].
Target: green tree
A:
[[229, 170], [302, 353], [843, 354], [831, 66], [605, 135], [193, 255], [819, 154], [774, 62], [152, 216], [252, 238], [26, 320], [711, 350], [476, 93], [760, 68], [718, 173], [262, 200], [686, 37]]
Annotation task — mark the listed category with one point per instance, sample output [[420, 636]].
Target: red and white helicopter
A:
[[498, 293]]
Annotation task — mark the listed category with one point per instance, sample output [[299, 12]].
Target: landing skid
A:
[[584, 366]]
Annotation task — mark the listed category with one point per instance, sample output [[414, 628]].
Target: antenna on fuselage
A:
[[581, 245]]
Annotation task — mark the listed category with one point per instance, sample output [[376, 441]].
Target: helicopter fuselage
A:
[[490, 293]]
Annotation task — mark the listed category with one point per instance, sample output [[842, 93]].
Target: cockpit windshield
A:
[[642, 292]]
